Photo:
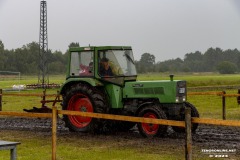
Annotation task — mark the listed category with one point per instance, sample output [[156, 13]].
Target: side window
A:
[[74, 66], [82, 64], [86, 64]]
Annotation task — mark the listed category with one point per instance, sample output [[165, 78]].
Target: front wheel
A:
[[194, 113], [152, 130]]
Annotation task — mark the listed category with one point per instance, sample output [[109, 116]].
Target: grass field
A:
[[198, 79], [79, 146], [209, 106]]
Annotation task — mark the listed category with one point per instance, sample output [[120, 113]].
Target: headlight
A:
[[184, 99], [180, 99], [177, 99]]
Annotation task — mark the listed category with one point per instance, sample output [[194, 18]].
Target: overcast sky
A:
[[165, 28]]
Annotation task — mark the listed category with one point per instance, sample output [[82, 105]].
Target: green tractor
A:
[[104, 80]]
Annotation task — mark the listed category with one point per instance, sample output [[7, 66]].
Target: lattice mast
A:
[[43, 46]]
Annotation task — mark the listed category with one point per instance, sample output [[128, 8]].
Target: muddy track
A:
[[206, 136]]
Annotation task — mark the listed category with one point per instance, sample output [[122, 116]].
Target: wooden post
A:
[[44, 98], [57, 98], [54, 132], [224, 106], [58, 95], [0, 99], [188, 130], [238, 97]]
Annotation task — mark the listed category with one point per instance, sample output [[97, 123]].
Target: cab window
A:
[[82, 64]]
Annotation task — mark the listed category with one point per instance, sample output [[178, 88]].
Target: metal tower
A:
[[43, 46]]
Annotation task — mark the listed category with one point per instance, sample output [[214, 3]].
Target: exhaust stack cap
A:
[[171, 77]]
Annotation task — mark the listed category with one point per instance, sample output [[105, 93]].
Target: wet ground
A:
[[209, 139]]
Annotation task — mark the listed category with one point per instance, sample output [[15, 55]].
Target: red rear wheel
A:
[[84, 98], [80, 102]]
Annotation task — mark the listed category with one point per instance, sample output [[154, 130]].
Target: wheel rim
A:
[[80, 102], [148, 128]]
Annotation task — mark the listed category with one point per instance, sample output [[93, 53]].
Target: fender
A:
[[141, 106], [70, 81]]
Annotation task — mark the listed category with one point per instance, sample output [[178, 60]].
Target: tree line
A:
[[213, 60], [26, 61]]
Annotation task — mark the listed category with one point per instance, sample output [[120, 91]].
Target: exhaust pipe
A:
[[171, 77]]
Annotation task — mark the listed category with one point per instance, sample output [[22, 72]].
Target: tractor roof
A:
[[89, 48]]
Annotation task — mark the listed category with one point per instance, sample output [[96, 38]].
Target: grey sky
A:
[[166, 28]]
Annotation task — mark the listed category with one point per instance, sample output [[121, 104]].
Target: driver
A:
[[105, 69]]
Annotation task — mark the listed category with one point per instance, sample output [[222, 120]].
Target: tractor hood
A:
[[164, 91]]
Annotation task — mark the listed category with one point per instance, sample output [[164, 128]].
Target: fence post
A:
[[0, 99], [44, 98], [223, 106], [54, 132], [188, 130]]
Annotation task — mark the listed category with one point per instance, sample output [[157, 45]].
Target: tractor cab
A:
[[112, 64]]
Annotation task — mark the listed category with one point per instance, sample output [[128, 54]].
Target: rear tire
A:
[[85, 98], [152, 130]]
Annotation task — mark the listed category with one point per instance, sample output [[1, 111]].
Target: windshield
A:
[[116, 63]]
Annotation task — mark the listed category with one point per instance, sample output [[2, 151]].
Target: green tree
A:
[[194, 62], [226, 67], [172, 65], [1, 47], [161, 67], [146, 63], [56, 67], [211, 58], [196, 56], [73, 44], [26, 59], [3, 58]]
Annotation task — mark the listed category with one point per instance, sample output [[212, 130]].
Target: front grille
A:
[[157, 90]]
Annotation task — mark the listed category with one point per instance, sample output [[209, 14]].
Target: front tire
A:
[[152, 130], [194, 113], [84, 98]]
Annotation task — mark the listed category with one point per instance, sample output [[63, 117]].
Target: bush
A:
[[226, 67]]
